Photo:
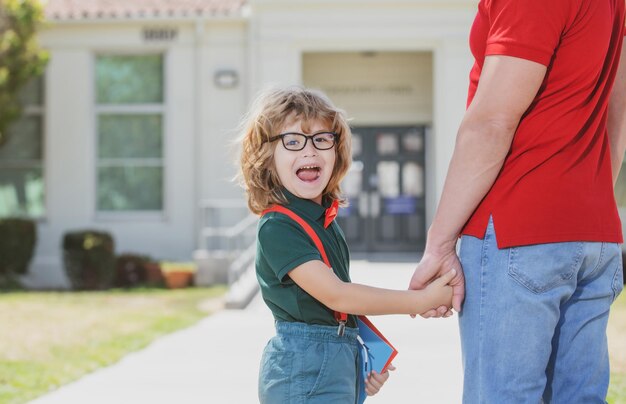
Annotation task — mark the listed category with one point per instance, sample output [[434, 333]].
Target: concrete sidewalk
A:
[[217, 360]]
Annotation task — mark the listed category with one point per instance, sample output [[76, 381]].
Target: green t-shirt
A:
[[283, 245]]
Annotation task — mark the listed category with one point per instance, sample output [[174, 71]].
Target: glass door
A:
[[385, 188]]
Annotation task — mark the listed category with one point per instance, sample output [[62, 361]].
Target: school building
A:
[[131, 128]]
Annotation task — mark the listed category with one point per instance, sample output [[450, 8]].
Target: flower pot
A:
[[175, 280]]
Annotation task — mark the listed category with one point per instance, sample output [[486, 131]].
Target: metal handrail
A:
[[241, 264], [231, 231], [237, 241], [211, 210]]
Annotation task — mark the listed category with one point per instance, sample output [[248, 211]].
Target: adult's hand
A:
[[434, 265]]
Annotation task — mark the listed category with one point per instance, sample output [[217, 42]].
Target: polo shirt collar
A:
[[308, 208]]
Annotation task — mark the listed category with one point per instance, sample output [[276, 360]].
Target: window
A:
[[129, 98], [22, 190]]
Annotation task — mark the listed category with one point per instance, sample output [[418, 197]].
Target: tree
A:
[[21, 59]]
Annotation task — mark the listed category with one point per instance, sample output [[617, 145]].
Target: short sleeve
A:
[[285, 245], [527, 29]]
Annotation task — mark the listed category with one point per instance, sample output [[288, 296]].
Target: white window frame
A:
[[130, 109]]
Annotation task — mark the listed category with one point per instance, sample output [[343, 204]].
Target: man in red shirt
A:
[[530, 190]]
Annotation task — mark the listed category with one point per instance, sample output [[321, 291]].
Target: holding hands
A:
[[442, 273], [439, 292]]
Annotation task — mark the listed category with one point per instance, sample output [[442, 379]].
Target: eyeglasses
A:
[[295, 141]]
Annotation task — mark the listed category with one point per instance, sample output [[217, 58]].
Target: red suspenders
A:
[[340, 317]]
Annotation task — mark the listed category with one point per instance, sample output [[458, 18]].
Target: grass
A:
[[617, 351], [48, 339]]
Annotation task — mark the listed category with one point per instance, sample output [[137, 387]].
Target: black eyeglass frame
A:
[[306, 139]]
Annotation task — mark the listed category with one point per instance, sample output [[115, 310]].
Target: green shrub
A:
[[17, 243], [89, 259]]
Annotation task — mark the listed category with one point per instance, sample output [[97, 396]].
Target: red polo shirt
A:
[[556, 183]]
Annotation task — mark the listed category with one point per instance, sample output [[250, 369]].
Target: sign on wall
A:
[[160, 34], [375, 87]]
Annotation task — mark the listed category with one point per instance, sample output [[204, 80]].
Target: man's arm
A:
[[506, 88], [617, 117]]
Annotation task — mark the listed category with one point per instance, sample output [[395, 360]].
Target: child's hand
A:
[[439, 292], [375, 381]]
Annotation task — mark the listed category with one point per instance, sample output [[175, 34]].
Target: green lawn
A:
[[617, 351], [48, 339]]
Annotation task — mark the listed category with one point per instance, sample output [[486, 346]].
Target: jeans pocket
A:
[[618, 280], [542, 267], [314, 367], [275, 375]]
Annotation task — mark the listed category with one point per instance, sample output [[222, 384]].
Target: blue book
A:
[[376, 352]]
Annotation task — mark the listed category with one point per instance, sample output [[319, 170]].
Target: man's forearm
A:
[[479, 154], [507, 87]]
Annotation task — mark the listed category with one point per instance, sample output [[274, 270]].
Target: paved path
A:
[[216, 361]]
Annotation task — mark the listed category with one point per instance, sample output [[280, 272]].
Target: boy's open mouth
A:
[[308, 173]]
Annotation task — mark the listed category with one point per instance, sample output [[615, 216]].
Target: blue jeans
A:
[[307, 363], [533, 323]]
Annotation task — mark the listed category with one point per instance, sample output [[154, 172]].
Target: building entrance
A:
[[385, 187]]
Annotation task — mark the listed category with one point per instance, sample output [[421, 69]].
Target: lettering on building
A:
[[160, 34]]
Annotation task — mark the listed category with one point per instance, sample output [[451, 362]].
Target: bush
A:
[[133, 270], [17, 243], [89, 259]]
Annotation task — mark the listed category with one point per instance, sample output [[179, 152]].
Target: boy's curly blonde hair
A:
[[272, 110]]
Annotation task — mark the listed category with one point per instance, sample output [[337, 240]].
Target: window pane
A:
[[32, 93], [130, 188], [129, 136], [412, 179], [25, 141], [21, 192], [387, 144], [129, 79], [412, 142], [388, 178]]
